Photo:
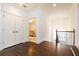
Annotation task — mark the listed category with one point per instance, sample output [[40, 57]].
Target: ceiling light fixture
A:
[[54, 5], [22, 4]]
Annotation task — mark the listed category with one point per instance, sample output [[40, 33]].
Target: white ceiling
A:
[[43, 5], [33, 5]]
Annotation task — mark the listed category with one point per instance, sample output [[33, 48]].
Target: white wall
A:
[[76, 25], [77, 29], [50, 18], [59, 17]]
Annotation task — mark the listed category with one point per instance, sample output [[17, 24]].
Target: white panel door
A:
[[1, 40], [9, 30], [19, 29], [0, 31]]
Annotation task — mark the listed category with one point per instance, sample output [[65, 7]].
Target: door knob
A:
[[15, 31]]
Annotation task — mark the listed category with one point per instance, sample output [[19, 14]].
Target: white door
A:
[[1, 40], [9, 30], [19, 29], [13, 30]]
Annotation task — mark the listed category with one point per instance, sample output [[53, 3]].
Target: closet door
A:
[[19, 29], [9, 30], [1, 46]]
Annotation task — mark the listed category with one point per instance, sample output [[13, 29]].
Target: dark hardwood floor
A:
[[32, 49]]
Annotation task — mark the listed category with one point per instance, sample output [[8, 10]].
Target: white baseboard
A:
[[73, 52]]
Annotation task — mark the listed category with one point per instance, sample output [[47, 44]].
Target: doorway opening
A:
[[32, 29]]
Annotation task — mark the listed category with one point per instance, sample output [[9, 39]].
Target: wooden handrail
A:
[[65, 31]]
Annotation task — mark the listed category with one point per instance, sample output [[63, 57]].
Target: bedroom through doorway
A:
[[32, 29]]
